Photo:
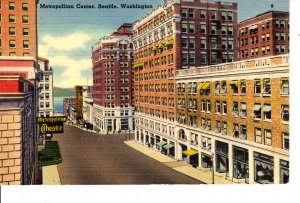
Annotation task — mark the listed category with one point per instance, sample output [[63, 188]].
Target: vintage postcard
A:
[[136, 92]]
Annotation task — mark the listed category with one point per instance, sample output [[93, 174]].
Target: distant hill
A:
[[63, 92]]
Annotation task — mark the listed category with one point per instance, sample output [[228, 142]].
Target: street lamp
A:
[[212, 167]]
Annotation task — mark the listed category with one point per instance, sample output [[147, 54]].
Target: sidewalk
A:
[[50, 175], [180, 166]]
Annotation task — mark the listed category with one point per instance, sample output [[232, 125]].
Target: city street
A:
[[94, 159]]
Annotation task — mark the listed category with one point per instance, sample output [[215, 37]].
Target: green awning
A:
[[168, 146], [190, 152], [161, 143]]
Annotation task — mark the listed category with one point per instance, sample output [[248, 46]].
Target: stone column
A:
[[230, 161], [276, 170], [251, 166]]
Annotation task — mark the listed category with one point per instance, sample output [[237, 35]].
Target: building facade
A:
[[87, 109], [69, 105], [113, 109], [18, 30], [264, 35], [46, 105], [176, 35]]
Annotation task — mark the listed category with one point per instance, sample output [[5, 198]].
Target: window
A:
[[217, 88], [285, 113], [218, 127], [25, 44], [12, 31], [184, 12], [202, 28], [257, 111], [224, 130], [192, 44], [257, 86], [184, 28], [184, 43], [258, 137], [230, 15], [223, 15], [213, 15], [203, 43], [202, 14], [25, 19], [235, 109], [25, 6], [268, 137], [218, 107], [42, 104], [243, 87], [191, 13], [12, 18], [191, 28], [267, 111], [11, 6], [224, 108], [25, 31], [208, 106], [284, 86], [47, 104], [235, 130], [12, 53], [243, 110], [192, 58], [213, 29], [243, 132], [267, 87], [12, 44], [234, 87], [184, 58], [224, 30], [285, 141]]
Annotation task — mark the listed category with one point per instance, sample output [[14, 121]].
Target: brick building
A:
[[19, 74], [18, 111], [176, 35], [18, 30], [266, 34], [112, 81]]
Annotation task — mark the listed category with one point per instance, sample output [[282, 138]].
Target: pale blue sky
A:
[[67, 35]]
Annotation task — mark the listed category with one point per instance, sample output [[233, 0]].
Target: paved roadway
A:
[[90, 159]]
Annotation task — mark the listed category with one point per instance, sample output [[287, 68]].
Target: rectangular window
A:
[[25, 44], [203, 43], [203, 14], [224, 108], [243, 110], [267, 87], [257, 111], [11, 6], [184, 12], [218, 107], [192, 58], [257, 86], [213, 15], [235, 109], [284, 86], [213, 29], [12, 18], [12, 31], [12, 44], [25, 31], [191, 28], [25, 19], [184, 43], [208, 106], [203, 106], [192, 44], [203, 28], [258, 137], [243, 87], [25, 6], [184, 28], [224, 126], [184, 58], [267, 111], [191, 13], [285, 141], [268, 137], [285, 113]]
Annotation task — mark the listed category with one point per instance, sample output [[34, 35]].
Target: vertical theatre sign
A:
[[50, 125]]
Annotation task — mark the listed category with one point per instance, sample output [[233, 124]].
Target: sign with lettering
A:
[[50, 125]]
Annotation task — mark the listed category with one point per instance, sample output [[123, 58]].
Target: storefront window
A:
[[264, 168], [206, 161], [284, 171], [221, 157], [240, 163]]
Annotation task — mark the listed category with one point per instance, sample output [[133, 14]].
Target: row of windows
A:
[[261, 86], [213, 14], [12, 44], [14, 53], [190, 28], [12, 31], [12, 18], [12, 6]]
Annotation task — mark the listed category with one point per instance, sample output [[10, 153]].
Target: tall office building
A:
[[266, 34], [177, 35], [112, 76], [46, 105]]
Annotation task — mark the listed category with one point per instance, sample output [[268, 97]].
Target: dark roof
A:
[[285, 12]]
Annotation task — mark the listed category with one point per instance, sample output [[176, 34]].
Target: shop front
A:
[[169, 149], [206, 161], [263, 168], [240, 163], [284, 171], [222, 157], [157, 140], [193, 157], [160, 145]]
